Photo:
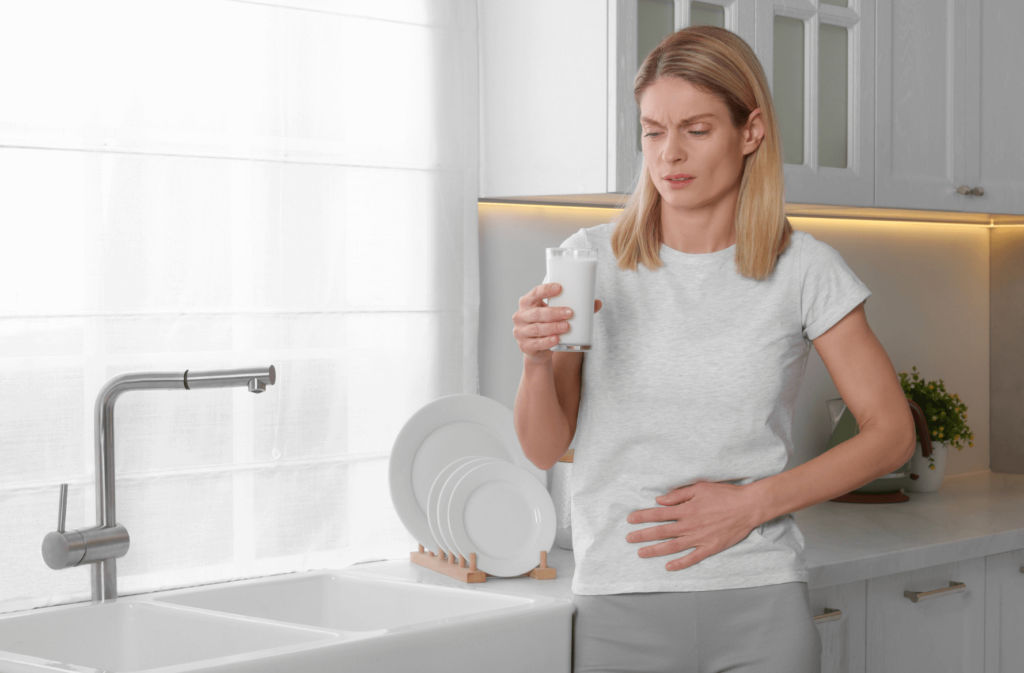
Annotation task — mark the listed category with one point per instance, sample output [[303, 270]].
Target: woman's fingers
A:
[[538, 344], [597, 305], [539, 329], [536, 296]]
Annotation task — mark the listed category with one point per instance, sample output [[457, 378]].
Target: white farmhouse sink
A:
[[334, 601], [311, 622], [136, 636]]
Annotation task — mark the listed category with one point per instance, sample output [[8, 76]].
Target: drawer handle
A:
[[953, 588], [828, 616]]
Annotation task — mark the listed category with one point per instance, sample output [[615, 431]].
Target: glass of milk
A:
[[575, 269]]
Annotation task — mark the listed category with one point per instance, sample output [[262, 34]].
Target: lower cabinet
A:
[[928, 620], [1004, 612], [839, 613]]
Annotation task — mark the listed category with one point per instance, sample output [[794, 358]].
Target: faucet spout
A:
[[103, 544]]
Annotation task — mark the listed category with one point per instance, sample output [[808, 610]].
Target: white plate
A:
[[440, 513], [446, 429], [502, 514], [435, 495]]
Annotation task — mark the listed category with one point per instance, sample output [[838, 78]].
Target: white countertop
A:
[[970, 516]]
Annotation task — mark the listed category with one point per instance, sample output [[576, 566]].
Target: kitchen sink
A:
[[335, 601], [136, 636], [314, 622]]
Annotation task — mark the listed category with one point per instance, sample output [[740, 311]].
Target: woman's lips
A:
[[678, 181]]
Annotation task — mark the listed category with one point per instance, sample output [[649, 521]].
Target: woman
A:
[[688, 557]]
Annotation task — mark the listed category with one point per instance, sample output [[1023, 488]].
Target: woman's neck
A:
[[709, 228]]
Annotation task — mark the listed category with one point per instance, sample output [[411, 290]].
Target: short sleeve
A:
[[829, 289], [577, 240]]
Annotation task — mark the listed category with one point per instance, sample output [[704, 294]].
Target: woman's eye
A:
[[699, 133], [650, 134]]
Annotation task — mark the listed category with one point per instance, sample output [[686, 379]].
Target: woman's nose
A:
[[673, 150]]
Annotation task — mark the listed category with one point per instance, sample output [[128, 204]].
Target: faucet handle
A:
[[62, 549], [62, 511]]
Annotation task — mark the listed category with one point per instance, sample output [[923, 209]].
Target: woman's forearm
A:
[[540, 422], [875, 452]]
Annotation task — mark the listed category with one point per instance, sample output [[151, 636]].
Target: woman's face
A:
[[692, 150]]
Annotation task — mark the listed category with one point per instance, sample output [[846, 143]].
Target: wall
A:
[[1007, 310], [929, 306]]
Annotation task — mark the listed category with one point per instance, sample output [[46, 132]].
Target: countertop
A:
[[971, 515]]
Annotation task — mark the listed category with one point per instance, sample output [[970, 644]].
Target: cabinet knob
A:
[[977, 191], [918, 596], [963, 189]]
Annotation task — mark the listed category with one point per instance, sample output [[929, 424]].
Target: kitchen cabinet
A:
[[839, 614], [556, 87], [819, 59], [947, 136], [924, 59], [881, 103], [995, 144], [1004, 612], [943, 631]]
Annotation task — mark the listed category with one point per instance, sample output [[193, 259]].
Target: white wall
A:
[[929, 307]]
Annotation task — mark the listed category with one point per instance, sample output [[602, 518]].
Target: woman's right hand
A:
[[538, 327]]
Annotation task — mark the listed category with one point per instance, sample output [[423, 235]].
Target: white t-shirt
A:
[[693, 376]]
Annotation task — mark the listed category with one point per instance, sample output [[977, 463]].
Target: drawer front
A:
[[927, 620], [839, 612]]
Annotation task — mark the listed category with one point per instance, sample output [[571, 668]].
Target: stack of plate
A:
[[460, 483]]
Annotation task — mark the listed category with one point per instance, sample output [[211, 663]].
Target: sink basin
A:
[[315, 622], [335, 601], [136, 636]]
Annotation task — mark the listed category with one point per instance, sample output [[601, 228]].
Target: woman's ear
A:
[[753, 132]]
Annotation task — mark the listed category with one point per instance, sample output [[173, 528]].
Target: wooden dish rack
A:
[[446, 565]]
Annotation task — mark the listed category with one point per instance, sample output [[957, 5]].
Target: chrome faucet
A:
[[108, 540]]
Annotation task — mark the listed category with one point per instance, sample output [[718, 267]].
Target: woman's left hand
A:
[[708, 516]]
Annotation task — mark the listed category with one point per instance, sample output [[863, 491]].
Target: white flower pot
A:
[[929, 479]]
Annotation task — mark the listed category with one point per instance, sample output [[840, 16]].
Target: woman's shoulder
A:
[[597, 236]]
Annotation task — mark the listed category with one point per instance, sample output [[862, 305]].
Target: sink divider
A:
[[446, 565]]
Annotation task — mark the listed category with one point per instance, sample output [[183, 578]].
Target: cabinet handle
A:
[[832, 615], [953, 588], [963, 189], [977, 191]]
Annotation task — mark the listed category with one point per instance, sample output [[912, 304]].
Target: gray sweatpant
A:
[[766, 629]]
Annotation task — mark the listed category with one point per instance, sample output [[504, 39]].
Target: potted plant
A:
[[946, 416]]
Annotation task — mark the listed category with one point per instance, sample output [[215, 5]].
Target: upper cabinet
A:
[[949, 80], [995, 98], [819, 58], [887, 103], [556, 88], [924, 76]]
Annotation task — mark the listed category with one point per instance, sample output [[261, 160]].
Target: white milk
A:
[[577, 278]]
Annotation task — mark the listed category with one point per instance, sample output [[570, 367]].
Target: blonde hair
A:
[[721, 63]]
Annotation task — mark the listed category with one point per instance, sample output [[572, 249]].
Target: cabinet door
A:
[[543, 97], [995, 98], [920, 132], [1004, 612], [843, 639], [819, 59], [941, 632]]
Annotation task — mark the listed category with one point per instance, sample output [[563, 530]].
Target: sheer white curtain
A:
[[202, 184]]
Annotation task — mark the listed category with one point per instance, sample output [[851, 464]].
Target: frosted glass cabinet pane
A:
[[655, 20], [705, 14], [832, 98], [836, 3], [788, 86]]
